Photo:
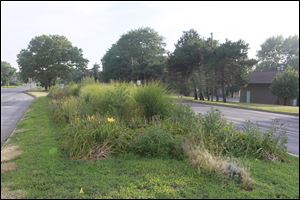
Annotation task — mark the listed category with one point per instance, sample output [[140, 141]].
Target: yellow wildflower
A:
[[81, 191], [110, 119]]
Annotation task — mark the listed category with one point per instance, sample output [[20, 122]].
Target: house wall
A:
[[259, 93]]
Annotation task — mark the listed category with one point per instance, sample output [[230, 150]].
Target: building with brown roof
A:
[[258, 89]]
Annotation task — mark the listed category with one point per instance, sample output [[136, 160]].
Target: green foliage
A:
[[83, 136], [278, 51], [155, 142], [56, 93], [222, 138], [181, 120], [188, 54], [153, 97], [286, 85], [203, 65], [127, 175], [7, 73], [114, 100], [72, 89], [158, 122], [66, 109], [137, 55], [87, 81], [48, 57]]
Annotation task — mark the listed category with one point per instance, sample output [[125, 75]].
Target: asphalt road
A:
[[14, 103], [264, 120]]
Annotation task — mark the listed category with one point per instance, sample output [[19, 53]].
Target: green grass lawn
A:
[[294, 110], [44, 171]]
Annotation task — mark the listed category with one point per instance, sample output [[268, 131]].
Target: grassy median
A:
[[45, 171]]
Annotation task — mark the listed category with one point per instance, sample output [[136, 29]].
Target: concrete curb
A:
[[8, 139], [295, 155]]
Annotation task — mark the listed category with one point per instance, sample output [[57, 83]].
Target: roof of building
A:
[[262, 77]]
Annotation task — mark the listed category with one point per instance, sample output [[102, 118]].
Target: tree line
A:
[[202, 66]]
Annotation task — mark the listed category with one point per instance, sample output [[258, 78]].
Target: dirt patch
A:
[[9, 194], [10, 152], [9, 166]]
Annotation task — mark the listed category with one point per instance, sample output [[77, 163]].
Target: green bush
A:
[[154, 99], [72, 89], [84, 136], [223, 138], [113, 99], [181, 120], [87, 81], [155, 142], [158, 122], [64, 110], [56, 92]]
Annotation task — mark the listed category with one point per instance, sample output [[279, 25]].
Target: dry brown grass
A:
[[9, 166], [100, 152], [38, 94], [21, 130], [9, 194], [200, 158], [10, 152]]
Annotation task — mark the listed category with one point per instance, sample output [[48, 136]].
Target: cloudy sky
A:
[[95, 26]]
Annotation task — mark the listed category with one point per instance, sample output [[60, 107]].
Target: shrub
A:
[[155, 142], [87, 81], [181, 120], [72, 89], [114, 99], [92, 136], [56, 93], [270, 145], [64, 110], [154, 99], [223, 138], [55, 111]]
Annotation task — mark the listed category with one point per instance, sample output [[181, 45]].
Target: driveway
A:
[[264, 120], [14, 103]]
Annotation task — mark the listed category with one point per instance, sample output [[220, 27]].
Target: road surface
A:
[[14, 103], [264, 120]]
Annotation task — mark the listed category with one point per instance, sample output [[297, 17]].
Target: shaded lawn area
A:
[[293, 110], [44, 171]]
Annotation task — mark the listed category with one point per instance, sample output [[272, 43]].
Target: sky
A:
[[95, 26]]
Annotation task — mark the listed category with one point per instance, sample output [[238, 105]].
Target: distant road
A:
[[14, 103], [264, 120]]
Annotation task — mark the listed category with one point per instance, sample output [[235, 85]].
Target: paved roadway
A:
[[264, 120], [14, 103]]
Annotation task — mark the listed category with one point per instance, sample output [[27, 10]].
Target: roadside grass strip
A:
[[45, 171]]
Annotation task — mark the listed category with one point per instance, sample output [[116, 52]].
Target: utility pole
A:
[[211, 36], [212, 89]]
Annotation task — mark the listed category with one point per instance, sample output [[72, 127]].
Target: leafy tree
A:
[[75, 76], [138, 54], [48, 57], [278, 51], [286, 85], [232, 64], [7, 73], [187, 57]]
